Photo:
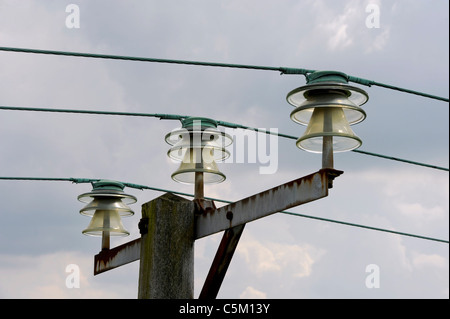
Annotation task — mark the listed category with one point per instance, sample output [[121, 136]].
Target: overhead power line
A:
[[142, 187], [156, 60], [221, 123], [282, 70], [233, 125], [93, 112]]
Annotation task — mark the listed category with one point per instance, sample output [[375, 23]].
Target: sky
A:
[[406, 44]]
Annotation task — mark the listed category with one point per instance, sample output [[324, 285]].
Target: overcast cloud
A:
[[280, 256]]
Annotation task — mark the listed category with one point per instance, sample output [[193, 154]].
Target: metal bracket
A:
[[203, 206], [143, 226], [331, 174]]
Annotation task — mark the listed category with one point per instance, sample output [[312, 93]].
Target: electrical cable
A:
[[93, 112], [232, 125], [221, 123], [282, 70], [142, 187], [155, 60]]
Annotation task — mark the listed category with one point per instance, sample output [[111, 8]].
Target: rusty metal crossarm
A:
[[285, 196], [118, 256]]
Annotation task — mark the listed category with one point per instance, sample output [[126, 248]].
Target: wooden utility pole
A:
[[167, 249]]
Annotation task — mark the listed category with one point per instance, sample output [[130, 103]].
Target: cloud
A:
[[344, 27], [410, 189], [289, 260], [52, 276], [44, 276], [380, 41], [340, 39], [252, 293], [432, 261], [420, 211], [335, 23]]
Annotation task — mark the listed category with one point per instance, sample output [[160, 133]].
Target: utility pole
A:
[[170, 225], [167, 249]]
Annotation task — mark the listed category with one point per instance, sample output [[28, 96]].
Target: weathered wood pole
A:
[[167, 249]]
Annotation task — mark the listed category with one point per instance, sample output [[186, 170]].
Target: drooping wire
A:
[[155, 60], [233, 125], [144, 187], [221, 123], [282, 70], [93, 112]]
